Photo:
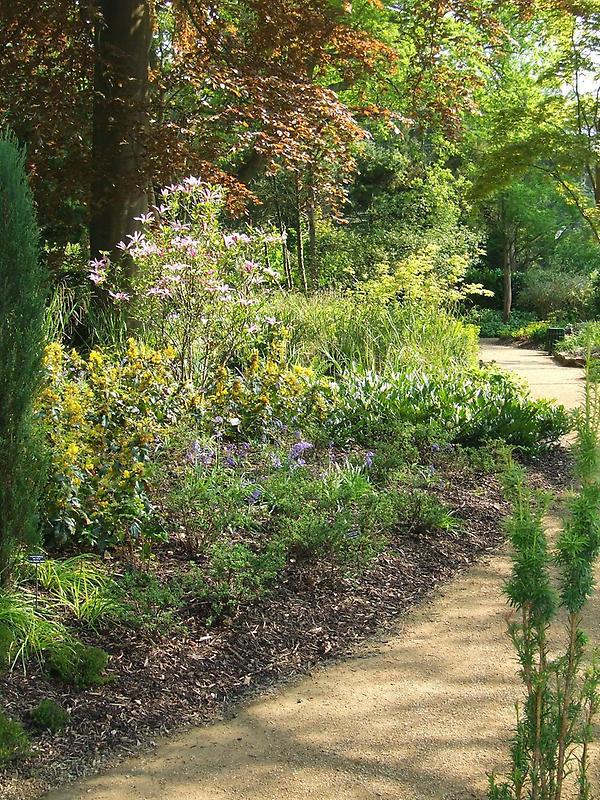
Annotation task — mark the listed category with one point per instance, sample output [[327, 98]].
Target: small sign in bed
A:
[[36, 558]]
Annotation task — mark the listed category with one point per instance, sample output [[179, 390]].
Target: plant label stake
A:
[[36, 560]]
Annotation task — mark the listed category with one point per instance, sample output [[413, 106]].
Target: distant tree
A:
[[543, 111]]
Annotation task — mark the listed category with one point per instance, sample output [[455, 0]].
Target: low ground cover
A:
[[523, 327], [583, 342]]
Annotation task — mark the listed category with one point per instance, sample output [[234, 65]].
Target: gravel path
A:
[[423, 714]]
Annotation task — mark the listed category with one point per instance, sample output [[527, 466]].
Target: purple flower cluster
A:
[[235, 453], [298, 450], [255, 495], [199, 455]]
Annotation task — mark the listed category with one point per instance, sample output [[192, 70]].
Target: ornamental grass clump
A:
[[550, 746]]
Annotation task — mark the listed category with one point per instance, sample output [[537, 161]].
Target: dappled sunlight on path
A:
[[423, 713], [545, 377]]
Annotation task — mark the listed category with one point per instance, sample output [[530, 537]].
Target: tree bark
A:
[[283, 231], [508, 259], [508, 264], [300, 240], [119, 188], [253, 166], [311, 213]]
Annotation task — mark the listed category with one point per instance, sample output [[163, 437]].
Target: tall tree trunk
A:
[[300, 240], [508, 263], [509, 259], [283, 231], [122, 53], [312, 231]]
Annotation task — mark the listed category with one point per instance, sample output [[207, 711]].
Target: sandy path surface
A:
[[424, 713]]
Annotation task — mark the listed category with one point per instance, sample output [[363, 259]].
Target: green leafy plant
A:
[[585, 341], [28, 628], [103, 415], [141, 600], [77, 664], [80, 584], [14, 743], [535, 332], [558, 293], [335, 333], [550, 747], [207, 501], [7, 643], [236, 575], [491, 324], [470, 409], [49, 715]]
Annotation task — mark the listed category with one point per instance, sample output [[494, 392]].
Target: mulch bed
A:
[[566, 360], [160, 685]]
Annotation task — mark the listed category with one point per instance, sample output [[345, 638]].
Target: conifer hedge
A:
[[22, 297]]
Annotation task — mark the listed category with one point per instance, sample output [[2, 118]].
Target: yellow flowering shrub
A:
[[424, 278], [104, 414], [107, 414], [270, 389]]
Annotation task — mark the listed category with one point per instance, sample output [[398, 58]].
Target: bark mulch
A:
[[161, 684]]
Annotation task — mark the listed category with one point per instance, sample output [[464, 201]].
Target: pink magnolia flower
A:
[[119, 297], [136, 239], [97, 277], [210, 195], [179, 226], [159, 291], [146, 249], [145, 219], [235, 238], [184, 242]]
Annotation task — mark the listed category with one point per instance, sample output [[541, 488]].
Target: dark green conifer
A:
[[22, 294]]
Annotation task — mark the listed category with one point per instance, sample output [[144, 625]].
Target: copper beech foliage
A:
[[234, 82], [236, 86]]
